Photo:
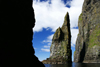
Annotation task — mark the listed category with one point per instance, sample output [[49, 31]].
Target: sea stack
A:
[[60, 50], [87, 49]]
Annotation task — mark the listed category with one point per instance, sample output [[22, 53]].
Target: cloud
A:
[[49, 39], [74, 33], [51, 16], [46, 50], [45, 41], [49, 43], [46, 46]]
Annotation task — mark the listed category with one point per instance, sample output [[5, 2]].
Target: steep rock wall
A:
[[87, 47]]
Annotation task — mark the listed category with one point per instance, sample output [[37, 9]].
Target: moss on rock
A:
[[60, 49], [87, 47], [94, 38]]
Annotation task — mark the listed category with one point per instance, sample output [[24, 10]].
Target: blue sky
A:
[[49, 15]]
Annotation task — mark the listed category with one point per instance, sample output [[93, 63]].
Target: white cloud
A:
[[74, 12], [45, 41], [46, 46], [49, 39], [46, 50], [49, 43], [51, 16], [77, 3], [74, 33]]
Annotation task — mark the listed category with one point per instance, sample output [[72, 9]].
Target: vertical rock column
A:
[[60, 49]]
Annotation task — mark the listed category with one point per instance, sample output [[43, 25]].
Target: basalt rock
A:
[[16, 23], [60, 50], [87, 47]]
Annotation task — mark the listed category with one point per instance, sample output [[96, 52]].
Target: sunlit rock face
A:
[[60, 50], [87, 47], [61, 45], [16, 23]]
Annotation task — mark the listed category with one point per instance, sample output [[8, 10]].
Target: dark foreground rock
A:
[[87, 47], [60, 50], [16, 23]]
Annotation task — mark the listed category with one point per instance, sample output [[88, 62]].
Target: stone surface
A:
[[16, 23], [87, 47], [60, 50]]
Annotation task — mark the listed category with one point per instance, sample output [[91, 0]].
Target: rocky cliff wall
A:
[[87, 47], [16, 23], [61, 42], [60, 50]]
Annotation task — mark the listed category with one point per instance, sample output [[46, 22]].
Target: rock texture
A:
[[16, 23], [87, 47], [60, 50]]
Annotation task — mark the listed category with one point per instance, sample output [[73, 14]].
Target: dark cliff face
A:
[[16, 23], [60, 50], [88, 41]]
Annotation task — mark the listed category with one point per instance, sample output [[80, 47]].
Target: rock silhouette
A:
[[60, 50], [87, 47], [16, 23]]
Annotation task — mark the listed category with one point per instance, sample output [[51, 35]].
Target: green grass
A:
[[94, 36], [74, 52], [80, 17]]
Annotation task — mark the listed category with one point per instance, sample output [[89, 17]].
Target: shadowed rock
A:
[[16, 23], [87, 47], [60, 50]]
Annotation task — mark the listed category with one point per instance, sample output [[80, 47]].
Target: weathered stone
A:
[[87, 47], [60, 50]]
